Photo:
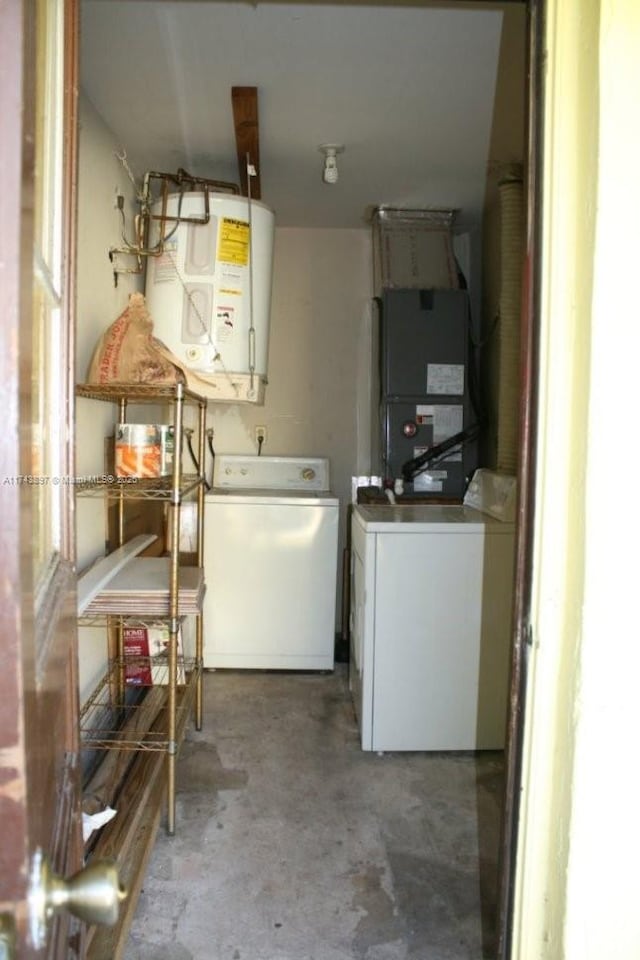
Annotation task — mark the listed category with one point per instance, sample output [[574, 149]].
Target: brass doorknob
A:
[[93, 894]]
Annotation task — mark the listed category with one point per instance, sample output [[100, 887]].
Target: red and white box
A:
[[144, 450], [145, 651]]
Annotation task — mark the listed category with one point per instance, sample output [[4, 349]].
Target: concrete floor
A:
[[293, 844]]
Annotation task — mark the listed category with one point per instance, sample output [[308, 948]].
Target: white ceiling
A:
[[408, 90]]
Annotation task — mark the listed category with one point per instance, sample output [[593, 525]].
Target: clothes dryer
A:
[[431, 590]]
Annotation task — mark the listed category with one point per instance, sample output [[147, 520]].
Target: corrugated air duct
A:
[[511, 263]]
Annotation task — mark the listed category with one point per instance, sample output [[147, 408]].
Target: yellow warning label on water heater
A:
[[233, 243]]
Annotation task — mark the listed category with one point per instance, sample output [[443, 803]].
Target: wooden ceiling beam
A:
[[245, 121]]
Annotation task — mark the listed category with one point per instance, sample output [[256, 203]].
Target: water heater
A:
[[209, 291]]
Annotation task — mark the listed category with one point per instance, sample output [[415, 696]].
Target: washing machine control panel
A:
[[271, 473]]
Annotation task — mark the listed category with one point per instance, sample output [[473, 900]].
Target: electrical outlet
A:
[[261, 435]]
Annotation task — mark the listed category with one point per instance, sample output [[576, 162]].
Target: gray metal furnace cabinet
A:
[[425, 378]]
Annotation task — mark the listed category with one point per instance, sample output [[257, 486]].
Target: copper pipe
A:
[[144, 218]]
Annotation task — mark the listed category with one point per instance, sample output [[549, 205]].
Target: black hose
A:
[[412, 468], [188, 434], [213, 457]]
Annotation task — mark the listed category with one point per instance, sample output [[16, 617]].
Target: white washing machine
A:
[[270, 560], [431, 599]]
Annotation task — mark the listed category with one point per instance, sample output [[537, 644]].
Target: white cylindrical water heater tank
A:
[[209, 292]]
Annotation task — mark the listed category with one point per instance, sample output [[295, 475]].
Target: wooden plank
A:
[[93, 580], [141, 851], [244, 101], [129, 838], [130, 842], [102, 789]]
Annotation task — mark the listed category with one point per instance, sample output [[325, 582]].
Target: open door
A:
[[40, 784], [40, 816], [529, 368]]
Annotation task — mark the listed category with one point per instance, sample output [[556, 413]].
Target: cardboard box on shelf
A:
[[145, 650]]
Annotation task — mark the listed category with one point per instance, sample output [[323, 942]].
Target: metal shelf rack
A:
[[110, 722], [143, 489], [118, 715]]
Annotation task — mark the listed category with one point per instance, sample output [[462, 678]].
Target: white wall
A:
[[321, 292], [602, 916], [99, 302]]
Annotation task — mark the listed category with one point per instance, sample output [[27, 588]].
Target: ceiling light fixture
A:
[[330, 151]]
